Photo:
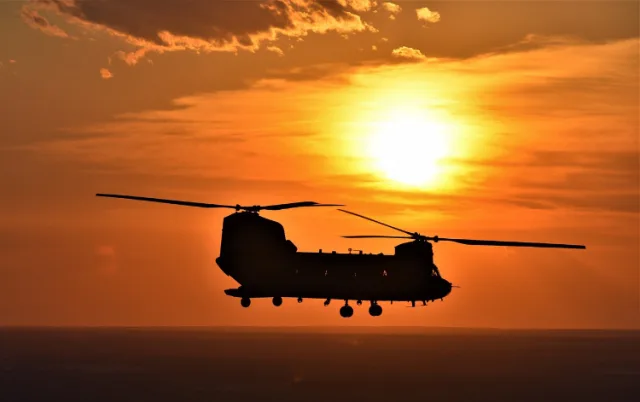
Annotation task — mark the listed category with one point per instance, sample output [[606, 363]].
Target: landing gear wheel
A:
[[245, 302], [375, 310], [277, 301], [346, 311]]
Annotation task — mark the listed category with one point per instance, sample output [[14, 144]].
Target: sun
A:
[[409, 147]]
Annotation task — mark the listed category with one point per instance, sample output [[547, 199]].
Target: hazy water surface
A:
[[308, 365]]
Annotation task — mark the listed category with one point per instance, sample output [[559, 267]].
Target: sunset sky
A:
[[530, 109]]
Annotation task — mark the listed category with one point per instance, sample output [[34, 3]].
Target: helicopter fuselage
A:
[[255, 252]]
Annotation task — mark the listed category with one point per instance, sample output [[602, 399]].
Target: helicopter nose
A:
[[447, 287]]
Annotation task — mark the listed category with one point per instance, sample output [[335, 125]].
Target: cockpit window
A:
[[432, 268]]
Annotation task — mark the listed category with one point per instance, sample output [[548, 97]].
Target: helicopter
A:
[[255, 252]]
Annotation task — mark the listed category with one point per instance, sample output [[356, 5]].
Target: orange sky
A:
[[533, 105]]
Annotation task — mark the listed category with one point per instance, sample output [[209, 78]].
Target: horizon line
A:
[[319, 327]]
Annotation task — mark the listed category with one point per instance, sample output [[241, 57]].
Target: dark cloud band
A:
[[209, 25]]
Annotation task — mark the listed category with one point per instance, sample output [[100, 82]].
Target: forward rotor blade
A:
[[376, 237], [166, 201], [207, 205], [471, 242], [298, 204], [378, 222]]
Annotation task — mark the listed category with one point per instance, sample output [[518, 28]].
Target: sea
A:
[[318, 364]]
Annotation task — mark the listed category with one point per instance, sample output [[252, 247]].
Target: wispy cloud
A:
[[32, 18]]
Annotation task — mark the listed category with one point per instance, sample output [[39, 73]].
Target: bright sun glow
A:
[[409, 147]]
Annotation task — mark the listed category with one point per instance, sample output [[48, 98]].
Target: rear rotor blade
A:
[[376, 237], [378, 222], [471, 242], [166, 201]]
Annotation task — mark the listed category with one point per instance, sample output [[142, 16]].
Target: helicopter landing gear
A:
[[277, 301], [413, 303], [375, 310], [346, 311], [326, 302], [245, 302]]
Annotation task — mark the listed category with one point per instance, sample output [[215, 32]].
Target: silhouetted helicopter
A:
[[255, 252]]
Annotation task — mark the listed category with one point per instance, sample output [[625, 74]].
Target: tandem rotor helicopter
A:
[[255, 252]]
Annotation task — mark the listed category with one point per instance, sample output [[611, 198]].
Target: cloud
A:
[[537, 41], [130, 58], [326, 72], [405, 52], [276, 50], [392, 8], [105, 73], [623, 160], [599, 82], [207, 26], [606, 180], [426, 15], [35, 20], [358, 5]]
